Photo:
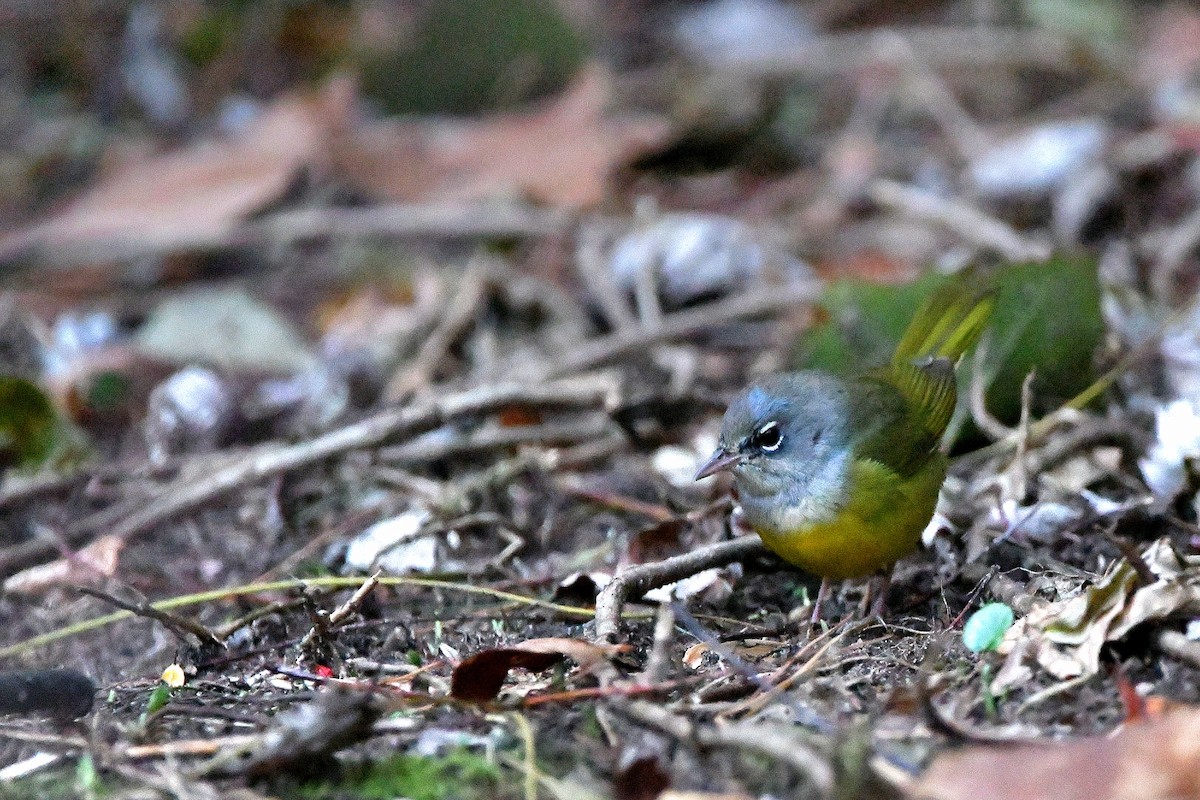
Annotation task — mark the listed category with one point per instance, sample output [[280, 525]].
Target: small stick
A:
[[636, 581], [681, 324], [183, 628], [959, 217], [546, 434], [464, 308], [138, 517], [339, 614], [993, 428]]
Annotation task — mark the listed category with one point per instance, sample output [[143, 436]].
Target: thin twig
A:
[[464, 308], [683, 324], [394, 221], [260, 463], [960, 218], [940, 48], [636, 581], [993, 428], [183, 628], [484, 441], [340, 614]]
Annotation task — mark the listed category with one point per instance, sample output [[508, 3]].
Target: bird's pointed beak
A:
[[721, 461]]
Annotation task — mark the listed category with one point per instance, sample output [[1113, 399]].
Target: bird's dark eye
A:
[[767, 438]]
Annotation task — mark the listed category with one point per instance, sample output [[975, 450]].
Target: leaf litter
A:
[[505, 424]]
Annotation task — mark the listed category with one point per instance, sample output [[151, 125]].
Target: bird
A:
[[839, 475]]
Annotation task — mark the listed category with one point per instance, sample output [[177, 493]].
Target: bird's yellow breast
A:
[[881, 523]]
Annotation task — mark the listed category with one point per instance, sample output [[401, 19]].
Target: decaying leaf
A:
[[1148, 761], [563, 154], [1075, 630], [478, 678]]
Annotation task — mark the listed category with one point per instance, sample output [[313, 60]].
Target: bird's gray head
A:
[[786, 440]]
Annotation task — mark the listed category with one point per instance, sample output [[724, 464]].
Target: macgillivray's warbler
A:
[[839, 476]]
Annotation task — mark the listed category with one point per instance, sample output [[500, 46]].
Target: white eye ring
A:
[[766, 430]]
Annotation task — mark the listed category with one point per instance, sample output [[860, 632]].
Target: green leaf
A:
[[29, 425], [87, 777], [157, 701], [1046, 318], [468, 56], [986, 627], [459, 774]]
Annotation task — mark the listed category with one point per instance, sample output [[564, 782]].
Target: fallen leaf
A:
[[198, 193], [1149, 761], [29, 426], [1074, 631], [97, 560], [228, 329], [641, 776], [563, 154], [478, 678]]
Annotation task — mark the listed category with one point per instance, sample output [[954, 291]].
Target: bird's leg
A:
[[878, 591], [822, 595]]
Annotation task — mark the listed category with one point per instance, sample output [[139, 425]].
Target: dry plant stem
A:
[[940, 48], [46, 741], [21, 489], [630, 505], [265, 462], [937, 98], [958, 217], [1175, 248], [803, 714], [546, 434], [783, 743], [636, 581], [594, 272], [392, 221], [328, 582], [658, 663], [184, 629], [758, 702], [682, 324], [464, 308], [993, 428]]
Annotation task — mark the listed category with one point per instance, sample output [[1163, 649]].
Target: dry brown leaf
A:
[[1148, 761], [97, 560], [563, 154], [478, 678], [201, 192]]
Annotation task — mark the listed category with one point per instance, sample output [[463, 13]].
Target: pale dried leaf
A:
[[97, 560]]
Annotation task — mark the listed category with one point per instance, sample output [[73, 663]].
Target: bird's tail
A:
[[949, 322]]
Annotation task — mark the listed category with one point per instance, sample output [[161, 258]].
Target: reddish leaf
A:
[[478, 678], [642, 778]]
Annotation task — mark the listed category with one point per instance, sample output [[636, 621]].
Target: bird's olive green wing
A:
[[886, 429], [946, 326]]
